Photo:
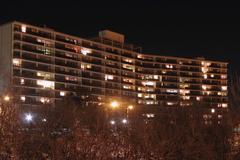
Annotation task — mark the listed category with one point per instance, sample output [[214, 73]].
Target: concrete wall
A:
[[5, 56]]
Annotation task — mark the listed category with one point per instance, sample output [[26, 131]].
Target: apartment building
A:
[[44, 65]]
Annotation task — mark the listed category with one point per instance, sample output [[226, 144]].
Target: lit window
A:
[[224, 88], [139, 56], [185, 97], [22, 81], [169, 66], [164, 72], [24, 29], [223, 76], [204, 69], [204, 87], [172, 91], [139, 94], [184, 85], [150, 96], [128, 67], [198, 98], [44, 75], [23, 98], [155, 76], [17, 62], [74, 79], [184, 91], [126, 87], [212, 76], [224, 105], [205, 76], [46, 84], [109, 77], [62, 93], [149, 89], [85, 51], [128, 80], [149, 115], [170, 103], [149, 102], [149, 83], [219, 116], [86, 66], [213, 110], [44, 100], [127, 60], [206, 63]]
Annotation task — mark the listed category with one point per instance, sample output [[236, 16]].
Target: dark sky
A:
[[164, 27]]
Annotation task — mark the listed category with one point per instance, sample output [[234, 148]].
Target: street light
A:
[[28, 117], [6, 98], [114, 104], [124, 121], [112, 122], [130, 107]]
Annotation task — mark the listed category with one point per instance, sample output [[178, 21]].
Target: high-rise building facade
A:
[[43, 65]]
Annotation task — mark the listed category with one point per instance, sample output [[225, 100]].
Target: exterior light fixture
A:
[[213, 110], [130, 107], [112, 122], [114, 104], [6, 98], [124, 121], [28, 117]]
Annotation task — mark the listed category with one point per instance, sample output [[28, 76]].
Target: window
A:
[[224, 105], [22, 81], [62, 93], [46, 84], [128, 60], [172, 91], [23, 98], [127, 87], [44, 75], [185, 97], [128, 67], [204, 69], [205, 76], [86, 66], [17, 62], [224, 88], [184, 91], [109, 77], [205, 87], [85, 51], [155, 76], [170, 103], [223, 76], [149, 83], [212, 110], [44, 100], [24, 29], [169, 66], [68, 78]]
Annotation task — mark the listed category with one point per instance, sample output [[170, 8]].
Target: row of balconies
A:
[[194, 72], [62, 38]]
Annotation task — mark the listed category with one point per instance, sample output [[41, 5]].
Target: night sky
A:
[[211, 30]]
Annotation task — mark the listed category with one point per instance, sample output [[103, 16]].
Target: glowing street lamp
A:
[[28, 117], [112, 122], [6, 98], [114, 104], [124, 121], [130, 107]]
